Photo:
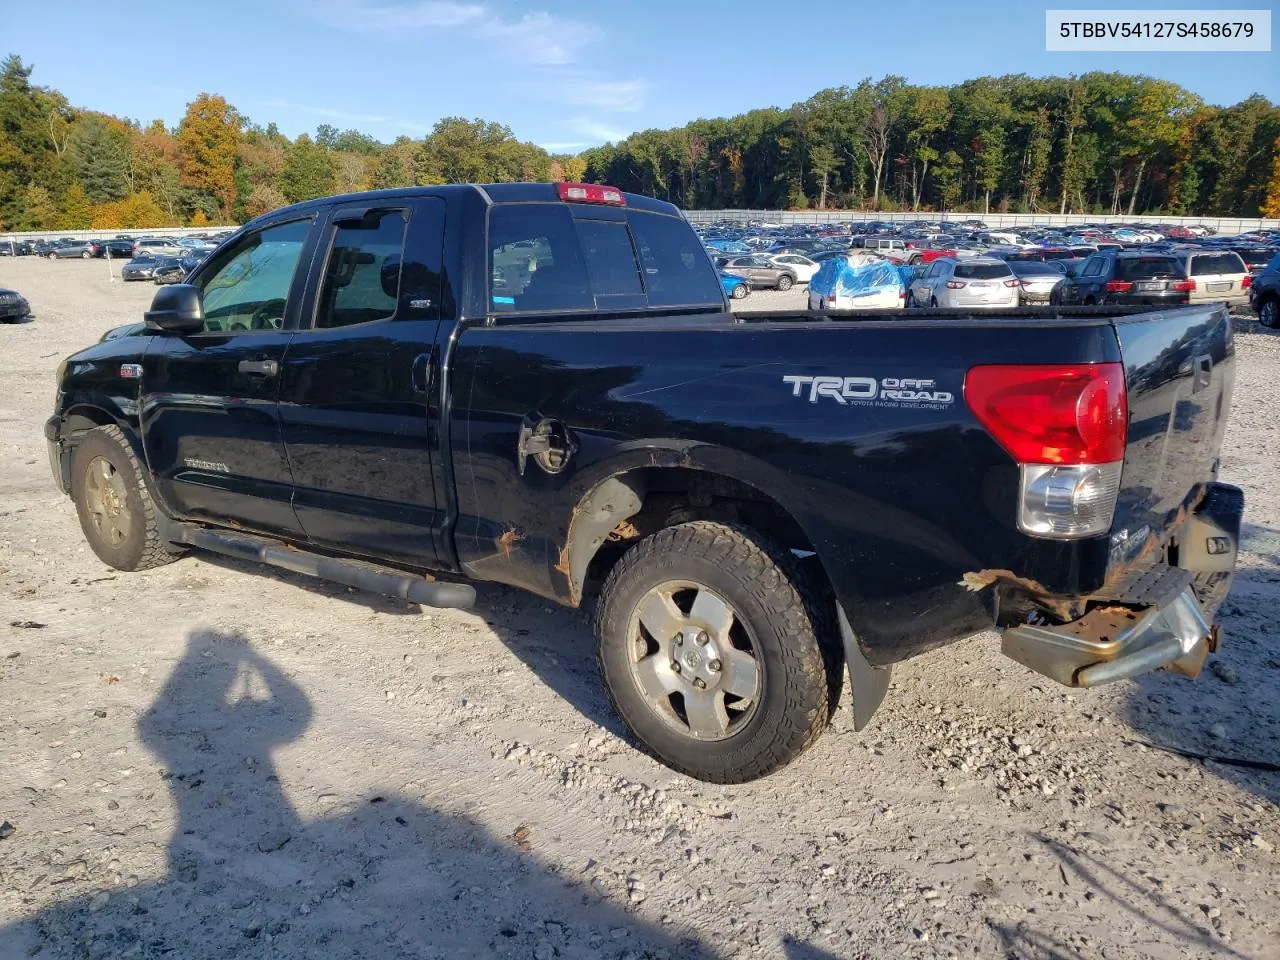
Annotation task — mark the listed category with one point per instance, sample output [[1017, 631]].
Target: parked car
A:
[[799, 264], [119, 248], [1255, 257], [65, 249], [141, 267], [1127, 277], [1036, 279], [937, 479], [982, 282], [759, 271], [13, 305], [1264, 294], [174, 269], [1214, 275], [737, 288], [15, 248], [160, 246]]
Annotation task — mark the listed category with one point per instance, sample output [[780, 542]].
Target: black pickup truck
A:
[[541, 385]]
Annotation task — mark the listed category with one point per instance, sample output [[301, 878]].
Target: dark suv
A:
[[1126, 277], [1264, 294]]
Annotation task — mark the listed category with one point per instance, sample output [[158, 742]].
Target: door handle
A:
[[424, 365], [260, 368]]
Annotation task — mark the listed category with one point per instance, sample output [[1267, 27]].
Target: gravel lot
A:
[[216, 760]]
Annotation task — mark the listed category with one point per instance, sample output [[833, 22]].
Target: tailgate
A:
[[1179, 370]]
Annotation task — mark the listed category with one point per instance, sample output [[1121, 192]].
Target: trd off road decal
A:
[[871, 392]]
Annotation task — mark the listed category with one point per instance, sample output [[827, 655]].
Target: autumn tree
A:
[[1271, 208], [77, 210], [208, 139], [264, 199]]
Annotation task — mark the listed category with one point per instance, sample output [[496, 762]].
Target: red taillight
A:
[[1247, 282], [955, 284], [1073, 413], [591, 193], [1119, 286], [831, 298], [1184, 286], [1015, 283]]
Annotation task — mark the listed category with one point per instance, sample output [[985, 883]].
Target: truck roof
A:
[[490, 193]]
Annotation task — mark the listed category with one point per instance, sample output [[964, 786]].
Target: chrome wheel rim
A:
[[106, 498], [694, 660]]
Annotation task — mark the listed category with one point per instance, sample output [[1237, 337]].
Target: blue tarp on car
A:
[[858, 276]]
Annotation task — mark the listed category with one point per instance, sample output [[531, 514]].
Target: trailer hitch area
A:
[[1116, 642]]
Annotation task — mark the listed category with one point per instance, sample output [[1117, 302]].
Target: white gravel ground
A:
[[213, 760]]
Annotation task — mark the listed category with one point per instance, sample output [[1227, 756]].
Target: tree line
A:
[[1103, 143], [64, 168]]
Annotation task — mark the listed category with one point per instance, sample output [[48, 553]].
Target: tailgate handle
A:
[[1203, 373], [259, 368]]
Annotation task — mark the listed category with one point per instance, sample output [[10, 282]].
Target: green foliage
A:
[[102, 159], [1101, 143], [308, 171]]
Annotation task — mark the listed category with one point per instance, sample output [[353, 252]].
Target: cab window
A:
[[248, 288]]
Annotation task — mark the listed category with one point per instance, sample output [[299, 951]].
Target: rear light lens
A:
[[591, 193], [1065, 424], [955, 284], [1119, 286], [1015, 283], [1247, 282], [1184, 286]]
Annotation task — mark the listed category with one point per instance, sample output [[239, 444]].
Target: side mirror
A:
[[178, 308]]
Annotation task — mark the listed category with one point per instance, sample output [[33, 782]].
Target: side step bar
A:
[[352, 573]]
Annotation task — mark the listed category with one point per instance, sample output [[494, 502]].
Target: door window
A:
[[248, 287], [362, 277], [1095, 267]]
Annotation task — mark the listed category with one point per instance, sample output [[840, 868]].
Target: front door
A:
[[211, 428], [355, 385]]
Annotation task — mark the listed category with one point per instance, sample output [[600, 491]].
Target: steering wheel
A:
[[268, 316]]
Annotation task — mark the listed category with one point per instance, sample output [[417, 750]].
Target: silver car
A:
[[976, 282], [1037, 278], [159, 247]]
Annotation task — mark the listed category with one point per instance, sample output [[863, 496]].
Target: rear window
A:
[[1215, 263], [981, 271], [1027, 268], [543, 259], [1256, 258], [1146, 268]]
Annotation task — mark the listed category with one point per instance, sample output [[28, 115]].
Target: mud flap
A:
[[867, 684]]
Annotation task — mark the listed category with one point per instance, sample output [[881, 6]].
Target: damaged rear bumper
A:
[[1161, 617]]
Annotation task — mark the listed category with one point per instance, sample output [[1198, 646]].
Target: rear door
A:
[[355, 383], [209, 410], [1218, 277]]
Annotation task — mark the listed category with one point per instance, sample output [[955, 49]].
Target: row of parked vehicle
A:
[[976, 267], [120, 247]]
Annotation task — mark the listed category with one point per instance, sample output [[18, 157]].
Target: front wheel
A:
[[1269, 312], [85, 255], [116, 512], [785, 282], [714, 652], [740, 292]]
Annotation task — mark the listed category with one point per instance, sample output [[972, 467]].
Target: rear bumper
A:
[[1161, 617]]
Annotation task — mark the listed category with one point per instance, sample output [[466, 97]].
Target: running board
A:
[[352, 573]]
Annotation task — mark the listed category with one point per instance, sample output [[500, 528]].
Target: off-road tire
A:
[[794, 637], [785, 282], [142, 548]]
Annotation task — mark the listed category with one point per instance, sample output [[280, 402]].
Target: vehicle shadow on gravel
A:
[[1228, 719], [248, 877]]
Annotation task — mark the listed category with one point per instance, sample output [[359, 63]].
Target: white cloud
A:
[[326, 112], [535, 37], [572, 146], [574, 89], [597, 132]]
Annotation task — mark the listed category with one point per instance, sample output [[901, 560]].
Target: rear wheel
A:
[[115, 508], [1269, 312], [711, 647], [85, 255], [785, 282], [740, 291]]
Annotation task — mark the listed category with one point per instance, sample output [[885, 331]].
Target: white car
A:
[[977, 282], [802, 267]]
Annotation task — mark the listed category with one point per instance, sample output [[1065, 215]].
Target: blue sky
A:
[[563, 73]]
